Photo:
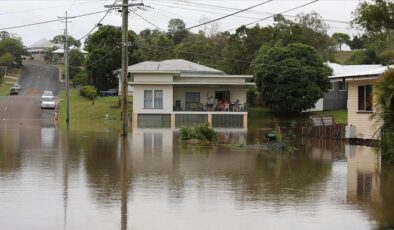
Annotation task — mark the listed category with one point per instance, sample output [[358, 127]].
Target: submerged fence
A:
[[333, 131]]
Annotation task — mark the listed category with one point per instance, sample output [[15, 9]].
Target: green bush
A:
[[80, 79], [251, 97], [200, 132], [89, 91]]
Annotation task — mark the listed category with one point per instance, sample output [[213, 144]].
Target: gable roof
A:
[[176, 66], [353, 71], [44, 43]]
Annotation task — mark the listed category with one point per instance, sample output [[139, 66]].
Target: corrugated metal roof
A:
[[177, 65], [355, 70]]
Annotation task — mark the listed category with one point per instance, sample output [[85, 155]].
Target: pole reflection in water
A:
[[65, 153], [123, 180]]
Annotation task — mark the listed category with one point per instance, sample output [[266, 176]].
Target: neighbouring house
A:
[[360, 103], [58, 54], [39, 49], [175, 93], [336, 97]]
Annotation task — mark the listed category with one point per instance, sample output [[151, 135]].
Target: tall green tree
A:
[[14, 47], [61, 39], [375, 16], [104, 55], [291, 78], [340, 39], [76, 60], [177, 30]]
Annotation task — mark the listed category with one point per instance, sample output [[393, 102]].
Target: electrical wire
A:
[[95, 26], [294, 8], [229, 15], [49, 21]]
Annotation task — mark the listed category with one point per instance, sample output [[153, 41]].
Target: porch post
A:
[[245, 120], [173, 120], [135, 120], [210, 119]]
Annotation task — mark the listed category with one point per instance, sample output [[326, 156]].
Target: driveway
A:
[[25, 108]]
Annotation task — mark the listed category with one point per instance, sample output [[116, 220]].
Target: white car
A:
[[48, 103], [47, 95], [17, 86]]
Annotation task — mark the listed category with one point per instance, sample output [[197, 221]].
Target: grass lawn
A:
[[85, 116], [340, 115], [61, 67], [341, 57], [5, 87]]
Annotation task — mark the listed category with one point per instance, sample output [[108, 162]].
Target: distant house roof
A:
[[61, 50], [173, 66], [44, 43], [356, 71]]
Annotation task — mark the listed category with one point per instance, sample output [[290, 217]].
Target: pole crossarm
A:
[[123, 5]]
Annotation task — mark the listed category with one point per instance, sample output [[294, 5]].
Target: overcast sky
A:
[[21, 12]]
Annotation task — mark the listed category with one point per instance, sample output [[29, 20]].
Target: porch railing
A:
[[201, 107]]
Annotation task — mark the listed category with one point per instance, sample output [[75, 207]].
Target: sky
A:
[[157, 13]]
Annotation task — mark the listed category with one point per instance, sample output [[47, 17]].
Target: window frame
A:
[[153, 99], [345, 84], [365, 98]]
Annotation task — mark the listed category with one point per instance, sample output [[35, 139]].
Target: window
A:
[[342, 86], [192, 100], [365, 98], [153, 99]]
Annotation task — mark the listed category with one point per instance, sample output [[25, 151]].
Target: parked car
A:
[[48, 103], [47, 95], [17, 86], [13, 91]]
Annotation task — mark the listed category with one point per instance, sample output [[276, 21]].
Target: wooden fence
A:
[[333, 131]]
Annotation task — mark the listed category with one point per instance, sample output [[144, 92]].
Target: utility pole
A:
[[66, 67], [123, 94]]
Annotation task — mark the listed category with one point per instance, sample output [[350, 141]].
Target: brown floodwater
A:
[[54, 179]]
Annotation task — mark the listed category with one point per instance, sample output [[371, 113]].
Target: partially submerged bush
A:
[[80, 79], [200, 132], [89, 91]]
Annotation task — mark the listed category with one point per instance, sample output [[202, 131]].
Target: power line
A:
[[294, 8], [204, 5], [95, 26], [146, 20], [229, 15], [49, 21]]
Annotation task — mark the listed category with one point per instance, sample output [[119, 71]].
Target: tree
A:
[[6, 59], [14, 47], [341, 38], [356, 43], [105, 55], [81, 78], [291, 78], [61, 39], [375, 16], [313, 21], [384, 114], [177, 30], [76, 60]]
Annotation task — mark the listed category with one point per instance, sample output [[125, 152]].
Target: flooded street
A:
[[51, 179]]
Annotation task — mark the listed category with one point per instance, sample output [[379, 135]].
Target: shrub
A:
[[200, 132], [251, 97], [80, 79], [89, 91]]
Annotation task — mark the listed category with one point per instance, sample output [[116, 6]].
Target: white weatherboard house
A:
[[360, 101], [174, 93]]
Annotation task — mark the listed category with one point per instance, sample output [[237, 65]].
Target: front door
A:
[[222, 95]]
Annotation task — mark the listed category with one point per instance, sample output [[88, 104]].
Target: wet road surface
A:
[[25, 108]]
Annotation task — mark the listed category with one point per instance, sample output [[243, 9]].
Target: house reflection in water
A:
[[363, 174]]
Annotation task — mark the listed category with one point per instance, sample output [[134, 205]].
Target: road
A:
[[25, 108]]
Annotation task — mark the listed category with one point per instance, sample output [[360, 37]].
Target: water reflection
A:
[[150, 180]]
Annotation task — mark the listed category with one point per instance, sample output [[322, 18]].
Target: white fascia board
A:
[[193, 83], [215, 76]]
